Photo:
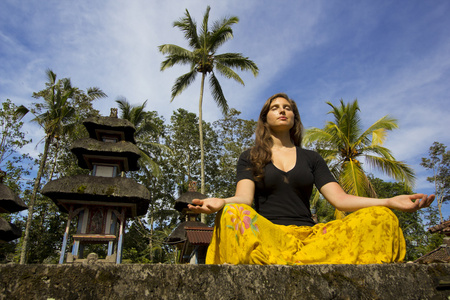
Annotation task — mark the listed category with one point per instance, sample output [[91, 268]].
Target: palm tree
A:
[[204, 59], [145, 126], [57, 120], [343, 143]]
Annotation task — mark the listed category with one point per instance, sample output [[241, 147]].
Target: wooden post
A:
[[121, 229], [66, 236]]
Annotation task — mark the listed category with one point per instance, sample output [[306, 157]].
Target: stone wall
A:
[[133, 281]]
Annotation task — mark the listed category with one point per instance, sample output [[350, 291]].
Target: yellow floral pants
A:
[[367, 236]]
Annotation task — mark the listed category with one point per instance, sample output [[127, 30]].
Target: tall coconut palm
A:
[[145, 126], [343, 144], [203, 59], [57, 119]]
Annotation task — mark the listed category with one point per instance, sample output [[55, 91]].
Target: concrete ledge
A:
[[133, 281]]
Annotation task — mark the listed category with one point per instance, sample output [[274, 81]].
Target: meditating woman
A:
[[278, 176]]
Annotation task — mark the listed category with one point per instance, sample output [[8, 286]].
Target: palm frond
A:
[[182, 83], [217, 93], [237, 61], [156, 146], [316, 134], [51, 77], [378, 130], [125, 108], [353, 179], [227, 72], [138, 115], [176, 55], [221, 33], [224, 24], [204, 32], [315, 196], [149, 162], [396, 169], [347, 120], [189, 27], [95, 93], [174, 50]]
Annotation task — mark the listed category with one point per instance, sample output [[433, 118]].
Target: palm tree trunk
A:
[[202, 150], [37, 182], [152, 211], [55, 160]]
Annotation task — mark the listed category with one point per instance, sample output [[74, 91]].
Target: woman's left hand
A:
[[410, 203]]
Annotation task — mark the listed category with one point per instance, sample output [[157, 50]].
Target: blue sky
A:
[[393, 56]]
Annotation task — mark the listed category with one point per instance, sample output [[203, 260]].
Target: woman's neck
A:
[[282, 141]]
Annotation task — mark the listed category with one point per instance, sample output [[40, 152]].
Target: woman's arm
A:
[[334, 194], [245, 191]]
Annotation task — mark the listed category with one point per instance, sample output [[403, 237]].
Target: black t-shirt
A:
[[283, 197]]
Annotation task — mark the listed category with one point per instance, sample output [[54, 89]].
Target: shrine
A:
[[191, 237], [103, 200]]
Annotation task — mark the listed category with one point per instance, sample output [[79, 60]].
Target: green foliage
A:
[[16, 165], [417, 239], [343, 144], [439, 163], [235, 136], [432, 218], [148, 133], [324, 210]]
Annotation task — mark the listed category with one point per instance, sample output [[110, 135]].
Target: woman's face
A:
[[280, 115]]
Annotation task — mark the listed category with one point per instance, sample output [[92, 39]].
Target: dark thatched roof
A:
[[186, 198], [441, 228], [10, 202], [126, 151], [8, 232], [178, 235], [94, 125], [439, 255], [92, 189]]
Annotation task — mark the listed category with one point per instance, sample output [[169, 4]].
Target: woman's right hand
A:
[[207, 206]]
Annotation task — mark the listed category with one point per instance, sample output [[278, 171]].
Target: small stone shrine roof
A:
[[113, 125], [186, 198], [10, 202], [86, 189], [87, 148], [9, 232], [178, 235]]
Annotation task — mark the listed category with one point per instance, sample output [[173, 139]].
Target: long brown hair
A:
[[261, 153]]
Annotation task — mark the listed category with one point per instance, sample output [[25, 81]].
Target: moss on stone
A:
[[81, 189], [110, 190]]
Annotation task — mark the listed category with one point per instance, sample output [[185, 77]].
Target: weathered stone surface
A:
[[98, 189], [127, 151], [390, 281], [94, 124]]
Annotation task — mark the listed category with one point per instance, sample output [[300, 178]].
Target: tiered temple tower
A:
[[103, 200], [9, 203]]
